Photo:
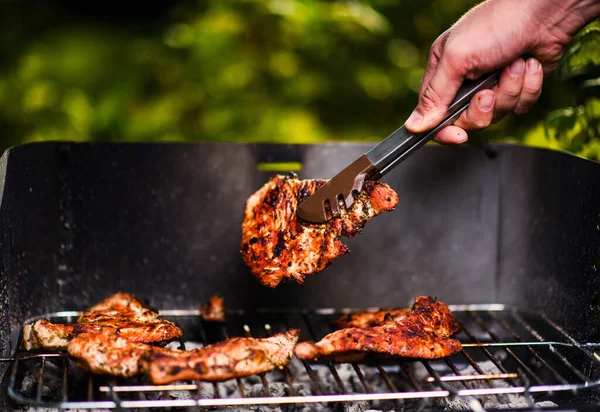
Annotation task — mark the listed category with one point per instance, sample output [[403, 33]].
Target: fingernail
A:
[[485, 102], [533, 66], [516, 68], [414, 120]]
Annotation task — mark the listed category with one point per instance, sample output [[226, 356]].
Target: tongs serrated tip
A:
[[338, 193]]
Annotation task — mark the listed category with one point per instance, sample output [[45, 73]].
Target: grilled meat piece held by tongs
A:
[[276, 245], [425, 333]]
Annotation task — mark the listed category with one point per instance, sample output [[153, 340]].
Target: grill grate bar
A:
[[198, 393], [551, 347], [465, 378], [385, 376], [406, 372], [40, 381], [436, 377], [90, 388], [569, 337], [495, 337], [336, 376], [532, 351], [480, 371], [491, 357], [456, 372], [361, 378], [314, 379], [114, 396], [65, 379]]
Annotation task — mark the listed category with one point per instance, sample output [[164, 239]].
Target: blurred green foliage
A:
[[576, 128], [259, 71]]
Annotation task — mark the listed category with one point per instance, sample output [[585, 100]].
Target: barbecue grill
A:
[[508, 236]]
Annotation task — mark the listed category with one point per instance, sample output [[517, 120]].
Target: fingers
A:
[[477, 116], [451, 135], [435, 98], [479, 113], [435, 53], [532, 86], [518, 89], [509, 89]]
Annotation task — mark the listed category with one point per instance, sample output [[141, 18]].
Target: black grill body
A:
[[503, 223]]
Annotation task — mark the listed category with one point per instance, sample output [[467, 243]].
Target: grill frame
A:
[[435, 378]]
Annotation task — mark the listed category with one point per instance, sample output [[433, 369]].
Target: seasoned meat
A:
[[232, 358], [120, 314], [45, 335], [108, 353], [425, 333], [128, 318], [368, 319], [276, 245], [214, 310]]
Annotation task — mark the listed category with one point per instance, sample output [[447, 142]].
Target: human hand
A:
[[493, 35]]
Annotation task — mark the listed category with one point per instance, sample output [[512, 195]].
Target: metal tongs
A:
[[339, 192]]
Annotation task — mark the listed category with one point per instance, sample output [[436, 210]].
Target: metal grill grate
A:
[[507, 354]]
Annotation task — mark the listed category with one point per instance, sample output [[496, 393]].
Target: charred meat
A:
[[276, 245], [425, 333], [45, 335], [232, 358], [108, 354], [214, 310], [369, 319], [120, 314]]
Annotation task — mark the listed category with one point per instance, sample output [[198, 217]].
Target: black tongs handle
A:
[[401, 143]]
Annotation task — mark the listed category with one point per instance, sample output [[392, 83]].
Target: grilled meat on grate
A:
[[108, 354], [424, 333], [214, 310], [231, 358], [120, 314], [277, 246], [369, 319]]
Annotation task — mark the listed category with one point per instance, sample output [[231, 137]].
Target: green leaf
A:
[[583, 56]]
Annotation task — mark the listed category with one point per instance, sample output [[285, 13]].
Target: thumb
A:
[[435, 98]]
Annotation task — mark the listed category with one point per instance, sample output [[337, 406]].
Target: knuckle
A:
[[532, 90], [461, 60], [511, 92], [521, 109], [435, 51], [482, 123], [478, 123], [454, 55], [430, 98]]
